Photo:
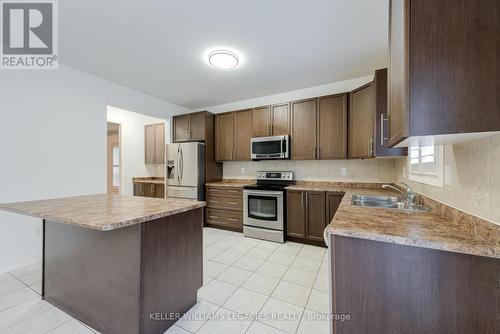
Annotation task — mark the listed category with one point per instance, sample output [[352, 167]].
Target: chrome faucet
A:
[[409, 194]]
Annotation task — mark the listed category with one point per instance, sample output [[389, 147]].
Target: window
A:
[[426, 165], [116, 166]]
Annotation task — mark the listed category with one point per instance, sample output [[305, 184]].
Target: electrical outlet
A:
[[38, 230], [479, 196], [343, 171], [242, 170]]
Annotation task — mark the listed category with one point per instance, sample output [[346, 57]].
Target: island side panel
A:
[[94, 275], [171, 268], [391, 288]]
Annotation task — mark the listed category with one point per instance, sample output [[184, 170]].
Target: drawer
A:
[[215, 200], [225, 191], [225, 218]]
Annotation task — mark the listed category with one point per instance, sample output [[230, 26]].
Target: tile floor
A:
[[249, 286]]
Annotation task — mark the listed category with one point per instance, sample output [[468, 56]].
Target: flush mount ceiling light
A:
[[223, 59]]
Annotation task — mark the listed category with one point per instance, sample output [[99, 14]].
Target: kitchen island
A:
[[121, 264]]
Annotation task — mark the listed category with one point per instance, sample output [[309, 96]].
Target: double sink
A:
[[385, 202]]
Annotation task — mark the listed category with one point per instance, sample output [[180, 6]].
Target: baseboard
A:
[[20, 263]]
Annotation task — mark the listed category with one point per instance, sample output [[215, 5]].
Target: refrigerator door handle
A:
[[182, 164], [178, 166]]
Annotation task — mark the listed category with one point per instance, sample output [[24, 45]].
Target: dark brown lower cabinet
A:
[[224, 208], [149, 190], [308, 213], [296, 216], [316, 215], [390, 289]]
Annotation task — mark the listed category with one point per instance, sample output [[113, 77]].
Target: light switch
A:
[[242, 170], [343, 171]]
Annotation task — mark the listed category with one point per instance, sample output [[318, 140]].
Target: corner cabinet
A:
[[442, 78], [154, 143], [308, 214], [368, 120]]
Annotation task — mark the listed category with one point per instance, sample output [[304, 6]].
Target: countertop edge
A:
[[109, 226], [413, 242]]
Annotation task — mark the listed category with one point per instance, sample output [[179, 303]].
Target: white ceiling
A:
[[157, 46]]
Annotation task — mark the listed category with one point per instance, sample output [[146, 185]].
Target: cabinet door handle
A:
[[307, 200], [213, 201], [302, 199], [232, 191], [232, 219], [382, 130]]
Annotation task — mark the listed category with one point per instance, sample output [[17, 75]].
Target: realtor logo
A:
[[29, 34]]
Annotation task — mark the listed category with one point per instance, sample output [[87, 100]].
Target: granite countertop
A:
[[420, 229], [103, 212], [231, 183], [151, 179]]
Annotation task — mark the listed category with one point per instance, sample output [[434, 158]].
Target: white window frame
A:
[[433, 178]]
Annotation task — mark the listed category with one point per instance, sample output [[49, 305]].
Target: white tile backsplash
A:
[[369, 170]]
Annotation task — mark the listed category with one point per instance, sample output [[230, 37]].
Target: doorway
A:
[[114, 158]]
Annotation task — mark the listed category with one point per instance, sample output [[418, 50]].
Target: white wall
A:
[[132, 146], [474, 169], [53, 143], [328, 89]]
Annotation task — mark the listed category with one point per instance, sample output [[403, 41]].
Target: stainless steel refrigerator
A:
[[186, 170]]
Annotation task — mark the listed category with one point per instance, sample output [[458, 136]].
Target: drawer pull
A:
[[232, 191], [214, 217], [232, 202], [233, 219], [213, 201], [213, 190]]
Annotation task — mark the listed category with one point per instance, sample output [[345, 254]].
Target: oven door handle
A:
[[266, 193]]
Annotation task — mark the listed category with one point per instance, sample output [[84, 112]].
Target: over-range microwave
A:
[[268, 148]]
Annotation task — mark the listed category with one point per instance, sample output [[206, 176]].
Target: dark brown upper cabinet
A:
[[180, 128], [154, 143], [224, 136], [271, 120], [190, 127], [380, 129], [242, 134], [332, 127], [199, 126], [262, 122], [361, 122], [442, 61], [304, 134]]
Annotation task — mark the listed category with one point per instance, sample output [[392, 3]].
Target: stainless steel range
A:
[[264, 206]]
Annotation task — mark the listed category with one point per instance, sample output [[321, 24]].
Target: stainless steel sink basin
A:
[[386, 202]]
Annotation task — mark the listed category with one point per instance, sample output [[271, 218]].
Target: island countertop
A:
[[420, 229], [103, 212]]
